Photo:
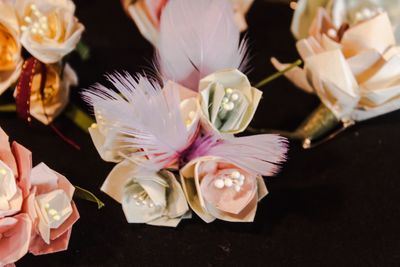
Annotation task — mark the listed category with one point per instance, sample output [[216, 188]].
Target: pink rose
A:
[[51, 209], [15, 226], [217, 189]]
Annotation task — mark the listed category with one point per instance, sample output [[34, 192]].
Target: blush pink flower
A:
[[51, 209], [15, 225], [218, 189]]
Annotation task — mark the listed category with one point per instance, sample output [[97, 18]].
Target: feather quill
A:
[[197, 38], [146, 119]]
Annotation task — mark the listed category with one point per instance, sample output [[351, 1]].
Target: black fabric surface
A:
[[335, 205]]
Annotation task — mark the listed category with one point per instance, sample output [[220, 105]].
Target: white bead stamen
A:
[[235, 180], [37, 23], [142, 199]]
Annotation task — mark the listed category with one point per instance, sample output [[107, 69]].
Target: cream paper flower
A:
[[47, 105], [354, 72], [151, 198], [146, 15], [217, 189], [49, 28], [228, 100], [10, 47], [343, 11]]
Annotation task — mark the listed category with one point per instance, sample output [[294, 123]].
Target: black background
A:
[[335, 205]]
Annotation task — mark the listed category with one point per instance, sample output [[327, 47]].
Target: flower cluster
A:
[[361, 80], [174, 141], [48, 31], [36, 208]]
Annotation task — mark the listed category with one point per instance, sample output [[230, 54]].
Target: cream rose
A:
[[343, 11], [228, 100], [151, 198], [361, 79], [49, 28], [10, 47], [46, 106], [217, 189]]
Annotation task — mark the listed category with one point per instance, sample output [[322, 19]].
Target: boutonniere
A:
[[360, 80], [173, 138]]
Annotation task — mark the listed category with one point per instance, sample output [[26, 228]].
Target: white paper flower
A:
[[49, 28], [10, 194], [10, 47], [343, 11], [151, 198], [355, 73], [228, 100]]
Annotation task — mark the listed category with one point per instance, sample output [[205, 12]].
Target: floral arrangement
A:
[[147, 14], [35, 37], [173, 135], [361, 80], [36, 207]]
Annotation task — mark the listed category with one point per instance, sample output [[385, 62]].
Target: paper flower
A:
[[217, 189], [47, 105], [146, 197], [15, 224], [52, 210], [343, 11], [49, 28], [228, 100], [361, 79], [10, 50], [147, 14], [48, 31], [36, 208]]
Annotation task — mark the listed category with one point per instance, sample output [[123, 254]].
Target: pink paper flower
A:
[[15, 226], [36, 208], [51, 209], [218, 189]]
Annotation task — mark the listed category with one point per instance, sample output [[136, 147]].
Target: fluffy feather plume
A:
[[258, 154], [146, 119], [197, 38]]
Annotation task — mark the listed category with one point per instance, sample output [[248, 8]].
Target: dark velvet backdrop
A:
[[335, 205]]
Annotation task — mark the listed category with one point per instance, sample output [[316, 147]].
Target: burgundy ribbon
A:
[[24, 91], [24, 88]]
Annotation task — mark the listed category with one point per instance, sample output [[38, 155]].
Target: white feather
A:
[[146, 119], [197, 38]]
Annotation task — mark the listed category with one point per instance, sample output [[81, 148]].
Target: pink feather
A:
[[197, 38], [258, 154], [146, 119]]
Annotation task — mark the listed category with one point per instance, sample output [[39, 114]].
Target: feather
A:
[[198, 38], [147, 119], [258, 154]]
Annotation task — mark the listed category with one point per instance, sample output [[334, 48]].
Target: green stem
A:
[[8, 108], [278, 74], [79, 117], [89, 196]]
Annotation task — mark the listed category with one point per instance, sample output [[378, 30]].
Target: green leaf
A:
[[79, 117], [83, 51], [89, 196]]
